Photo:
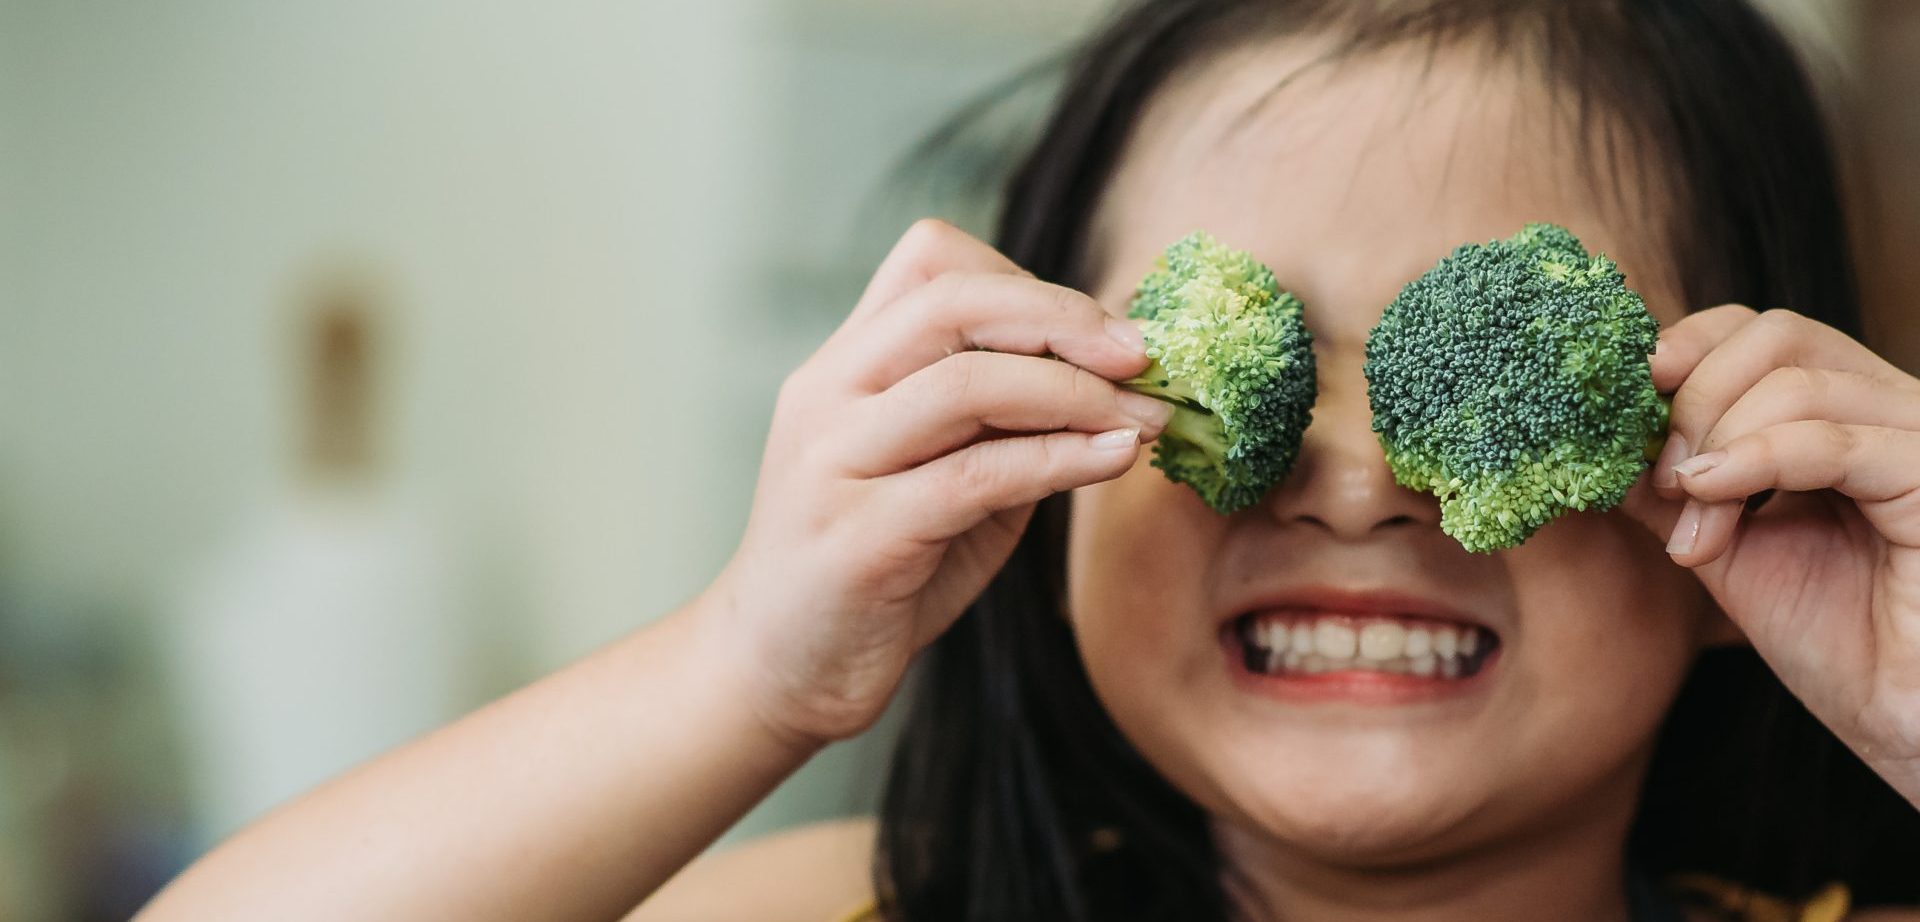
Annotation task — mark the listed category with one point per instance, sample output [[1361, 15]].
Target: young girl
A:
[[1086, 741]]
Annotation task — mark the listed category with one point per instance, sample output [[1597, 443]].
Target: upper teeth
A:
[[1419, 641], [1334, 640], [1382, 640], [1302, 636], [1330, 642]]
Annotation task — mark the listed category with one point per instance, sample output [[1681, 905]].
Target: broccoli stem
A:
[[1192, 421], [1156, 383]]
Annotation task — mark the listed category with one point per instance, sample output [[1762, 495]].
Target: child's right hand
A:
[[902, 465]]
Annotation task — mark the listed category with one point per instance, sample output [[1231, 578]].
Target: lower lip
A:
[[1358, 686]]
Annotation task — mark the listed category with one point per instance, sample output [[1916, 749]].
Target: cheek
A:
[[1608, 632], [1138, 580]]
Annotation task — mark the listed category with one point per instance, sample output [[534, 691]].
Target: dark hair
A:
[[1012, 795]]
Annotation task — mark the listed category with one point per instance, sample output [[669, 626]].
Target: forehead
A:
[[1351, 176]]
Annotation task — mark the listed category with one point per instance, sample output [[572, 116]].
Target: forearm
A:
[[571, 799]]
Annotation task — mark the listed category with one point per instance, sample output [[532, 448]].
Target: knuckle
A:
[[1762, 447], [1836, 439], [944, 294], [915, 249], [930, 242], [1780, 321], [1812, 385], [924, 246], [1046, 454], [927, 235], [978, 471], [1083, 388], [1796, 388], [1054, 460], [958, 377], [1755, 446], [1703, 328], [793, 392], [923, 240], [1691, 403], [936, 291], [1770, 340], [1064, 303]]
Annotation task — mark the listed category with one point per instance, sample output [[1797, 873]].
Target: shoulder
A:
[[813, 873]]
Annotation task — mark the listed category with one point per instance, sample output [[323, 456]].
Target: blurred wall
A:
[[537, 196], [534, 196]]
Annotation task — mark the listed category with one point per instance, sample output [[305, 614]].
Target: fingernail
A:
[[1686, 530], [1152, 414], [1116, 439], [1699, 464], [1670, 454], [1126, 334]]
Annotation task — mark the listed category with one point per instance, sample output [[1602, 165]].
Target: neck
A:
[[1571, 866]]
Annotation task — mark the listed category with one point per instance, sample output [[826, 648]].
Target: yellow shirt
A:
[[1829, 905]]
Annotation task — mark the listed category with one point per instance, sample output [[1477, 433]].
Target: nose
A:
[[1341, 483]]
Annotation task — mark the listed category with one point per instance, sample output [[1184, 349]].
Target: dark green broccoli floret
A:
[[1511, 382], [1232, 355]]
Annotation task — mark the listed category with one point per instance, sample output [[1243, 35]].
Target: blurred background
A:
[[362, 361]]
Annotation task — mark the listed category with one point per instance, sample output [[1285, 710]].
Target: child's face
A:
[[1350, 182]]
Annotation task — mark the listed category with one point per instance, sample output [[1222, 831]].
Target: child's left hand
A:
[[1824, 577]]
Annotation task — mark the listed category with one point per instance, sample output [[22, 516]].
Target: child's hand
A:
[[1824, 578], [903, 463]]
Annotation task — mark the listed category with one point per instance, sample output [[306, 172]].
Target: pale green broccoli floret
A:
[[1231, 353], [1511, 382]]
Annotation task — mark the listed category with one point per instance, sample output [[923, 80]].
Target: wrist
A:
[[729, 665], [810, 671]]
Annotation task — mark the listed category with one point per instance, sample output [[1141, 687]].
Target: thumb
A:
[[1697, 539]]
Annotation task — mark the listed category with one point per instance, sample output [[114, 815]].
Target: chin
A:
[[1372, 835], [1365, 814]]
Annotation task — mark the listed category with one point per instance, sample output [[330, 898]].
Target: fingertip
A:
[[1717, 525], [1132, 344], [1660, 364], [1714, 477], [1698, 464], [1703, 533], [1676, 351], [1685, 535], [1661, 474], [1115, 452], [1151, 413], [1116, 440]]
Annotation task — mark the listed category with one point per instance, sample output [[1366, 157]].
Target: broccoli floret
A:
[[1231, 353], [1511, 382]]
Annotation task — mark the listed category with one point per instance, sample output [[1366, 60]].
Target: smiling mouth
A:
[[1306, 644]]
